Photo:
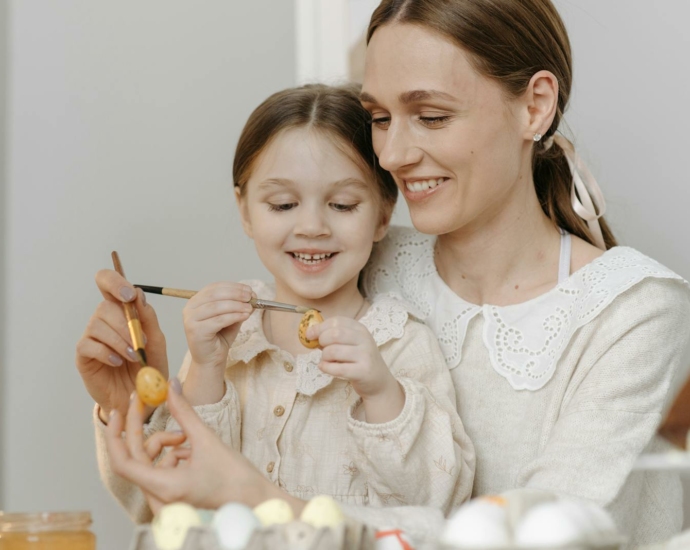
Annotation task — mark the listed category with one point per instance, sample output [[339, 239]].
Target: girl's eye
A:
[[433, 121], [281, 207], [381, 122], [344, 207]]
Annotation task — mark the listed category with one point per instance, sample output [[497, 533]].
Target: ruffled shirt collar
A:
[[385, 319], [525, 341]]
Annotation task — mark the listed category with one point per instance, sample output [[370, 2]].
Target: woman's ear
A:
[[244, 212], [541, 99]]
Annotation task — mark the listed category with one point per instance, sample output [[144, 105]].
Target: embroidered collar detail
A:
[[525, 341], [385, 319]]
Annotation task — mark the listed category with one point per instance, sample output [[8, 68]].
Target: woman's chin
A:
[[429, 222]]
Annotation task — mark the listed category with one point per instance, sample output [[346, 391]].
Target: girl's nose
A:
[[312, 224], [398, 148]]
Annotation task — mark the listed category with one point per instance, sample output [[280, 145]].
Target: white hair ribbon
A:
[[586, 196]]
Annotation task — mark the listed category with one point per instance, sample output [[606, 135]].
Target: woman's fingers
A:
[[172, 458], [89, 349], [101, 330], [114, 287], [134, 429], [154, 444], [186, 417]]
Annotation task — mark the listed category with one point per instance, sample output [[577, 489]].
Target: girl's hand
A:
[[105, 358], [212, 319], [350, 352], [207, 474]]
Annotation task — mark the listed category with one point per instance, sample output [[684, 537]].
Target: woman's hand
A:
[[105, 358], [350, 352], [212, 319], [207, 474]]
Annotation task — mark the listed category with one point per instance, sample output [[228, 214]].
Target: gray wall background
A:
[[3, 186], [122, 120]]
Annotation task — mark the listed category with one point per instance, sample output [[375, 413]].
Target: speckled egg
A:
[[234, 524], [310, 318], [322, 511], [273, 511], [171, 524], [151, 386]]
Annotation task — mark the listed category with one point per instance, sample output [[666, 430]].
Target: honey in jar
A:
[[46, 531]]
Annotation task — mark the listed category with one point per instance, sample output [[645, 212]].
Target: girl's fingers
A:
[[340, 335], [154, 444], [337, 370], [172, 458], [212, 310], [220, 292], [88, 348], [338, 353], [134, 429], [114, 287]]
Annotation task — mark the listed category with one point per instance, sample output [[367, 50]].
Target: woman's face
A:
[[458, 148]]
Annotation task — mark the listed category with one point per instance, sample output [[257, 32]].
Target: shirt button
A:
[[279, 410], [270, 466], [288, 366]]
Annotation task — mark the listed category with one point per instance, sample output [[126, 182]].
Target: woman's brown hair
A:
[[334, 111], [509, 41]]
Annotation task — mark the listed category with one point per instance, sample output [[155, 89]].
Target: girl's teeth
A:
[[423, 185], [311, 258]]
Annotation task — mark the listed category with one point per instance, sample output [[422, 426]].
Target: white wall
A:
[[123, 121]]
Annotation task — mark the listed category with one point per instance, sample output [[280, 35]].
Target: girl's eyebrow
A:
[[413, 96], [283, 182]]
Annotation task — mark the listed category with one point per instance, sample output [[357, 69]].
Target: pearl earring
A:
[[537, 137]]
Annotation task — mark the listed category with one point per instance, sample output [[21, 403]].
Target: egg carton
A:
[[612, 543], [295, 535]]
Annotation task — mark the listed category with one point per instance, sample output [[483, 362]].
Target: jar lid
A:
[[44, 521]]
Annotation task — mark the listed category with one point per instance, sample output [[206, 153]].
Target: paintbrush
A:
[[133, 322], [257, 303]]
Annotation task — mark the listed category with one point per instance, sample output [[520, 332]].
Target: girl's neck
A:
[[508, 258]]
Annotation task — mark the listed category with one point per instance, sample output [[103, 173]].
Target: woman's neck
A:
[[509, 258]]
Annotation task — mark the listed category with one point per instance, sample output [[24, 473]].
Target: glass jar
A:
[[46, 531]]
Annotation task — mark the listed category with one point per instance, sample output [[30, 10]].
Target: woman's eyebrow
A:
[[412, 96]]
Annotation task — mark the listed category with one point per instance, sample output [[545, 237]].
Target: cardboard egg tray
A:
[[611, 544], [295, 535]]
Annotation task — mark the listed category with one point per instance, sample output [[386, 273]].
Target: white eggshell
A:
[[554, 524], [478, 524], [273, 511], [171, 524], [234, 524], [392, 539], [322, 511]]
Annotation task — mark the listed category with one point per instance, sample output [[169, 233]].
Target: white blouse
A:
[[564, 391]]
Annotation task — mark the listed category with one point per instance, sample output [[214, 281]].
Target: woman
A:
[[562, 347]]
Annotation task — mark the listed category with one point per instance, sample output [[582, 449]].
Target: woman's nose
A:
[[397, 148]]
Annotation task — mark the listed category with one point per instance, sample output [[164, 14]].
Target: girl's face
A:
[[458, 149], [313, 214]]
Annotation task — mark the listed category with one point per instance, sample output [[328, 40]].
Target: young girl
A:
[[370, 418]]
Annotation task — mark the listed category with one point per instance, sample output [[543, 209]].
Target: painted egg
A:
[[171, 524], [273, 511], [310, 318], [554, 524], [151, 386], [234, 524], [322, 511], [480, 523], [393, 539]]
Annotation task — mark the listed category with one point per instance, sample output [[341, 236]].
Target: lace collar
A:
[[525, 341], [385, 320]]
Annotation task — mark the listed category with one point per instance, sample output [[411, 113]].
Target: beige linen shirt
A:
[[298, 426]]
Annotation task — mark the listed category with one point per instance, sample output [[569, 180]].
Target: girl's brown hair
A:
[[333, 111], [509, 41]]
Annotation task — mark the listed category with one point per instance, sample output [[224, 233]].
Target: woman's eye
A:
[[433, 121], [344, 207], [381, 122], [281, 207]]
